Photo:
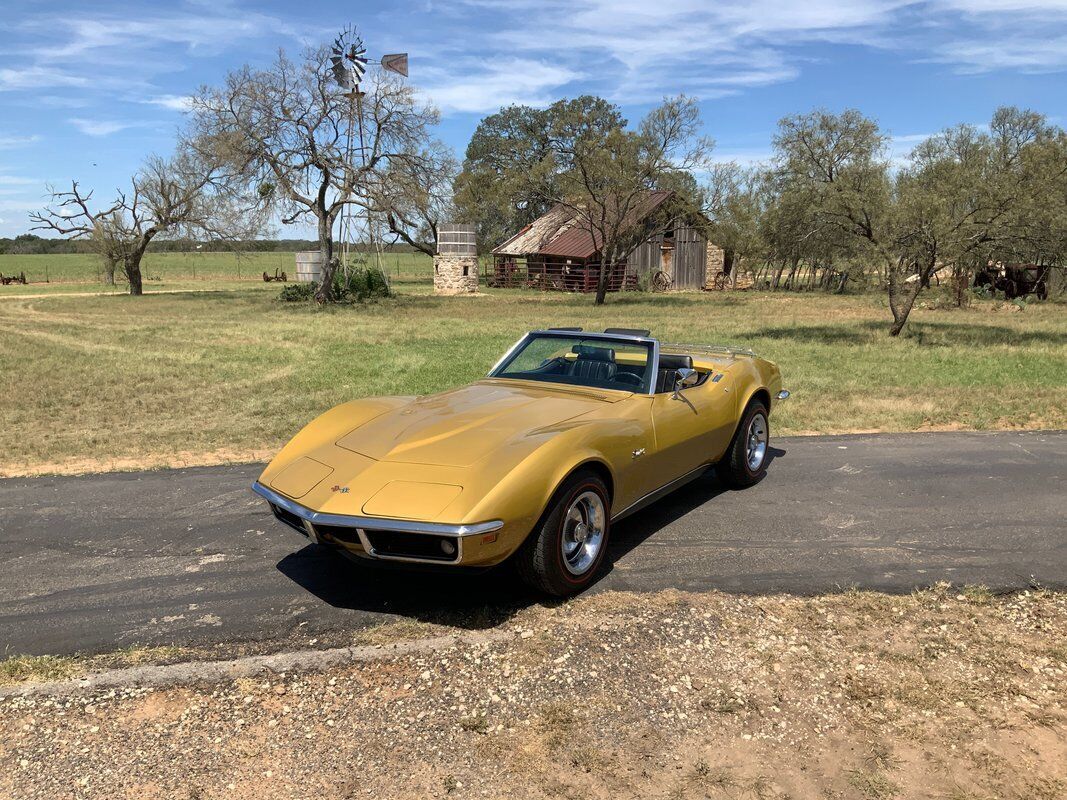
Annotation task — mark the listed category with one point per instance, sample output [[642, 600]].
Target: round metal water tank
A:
[[308, 266], [460, 240]]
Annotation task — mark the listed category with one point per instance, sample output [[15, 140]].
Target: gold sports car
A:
[[568, 433]]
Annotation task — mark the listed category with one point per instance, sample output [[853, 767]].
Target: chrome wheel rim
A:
[[757, 442], [584, 523]]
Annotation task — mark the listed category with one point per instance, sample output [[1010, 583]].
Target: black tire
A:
[[541, 560], [735, 469], [1042, 290]]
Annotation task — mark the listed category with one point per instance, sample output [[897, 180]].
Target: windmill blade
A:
[[341, 74], [396, 62]]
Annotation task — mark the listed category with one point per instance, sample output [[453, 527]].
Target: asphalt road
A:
[[192, 557]]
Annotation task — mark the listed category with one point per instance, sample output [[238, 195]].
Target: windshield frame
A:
[[515, 349]]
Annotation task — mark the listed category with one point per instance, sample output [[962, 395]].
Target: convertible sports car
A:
[[570, 432]]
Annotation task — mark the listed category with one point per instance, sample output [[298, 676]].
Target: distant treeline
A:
[[29, 244]]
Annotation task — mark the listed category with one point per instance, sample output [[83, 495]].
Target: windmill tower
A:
[[348, 63]]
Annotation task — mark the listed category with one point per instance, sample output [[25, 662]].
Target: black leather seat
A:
[[594, 363], [669, 364]]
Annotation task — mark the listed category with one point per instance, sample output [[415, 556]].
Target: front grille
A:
[[413, 545], [338, 533], [289, 518]]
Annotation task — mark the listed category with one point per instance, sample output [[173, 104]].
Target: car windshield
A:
[[575, 360]]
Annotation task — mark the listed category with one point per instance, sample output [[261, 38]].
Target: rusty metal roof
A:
[[559, 232], [538, 233]]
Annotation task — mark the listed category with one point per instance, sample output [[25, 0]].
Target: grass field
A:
[[159, 269], [92, 383]]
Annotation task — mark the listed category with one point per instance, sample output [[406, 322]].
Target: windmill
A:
[[348, 63]]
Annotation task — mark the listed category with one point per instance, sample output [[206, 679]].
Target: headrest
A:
[[675, 361], [593, 353]]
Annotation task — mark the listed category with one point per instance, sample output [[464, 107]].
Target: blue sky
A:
[[88, 89]]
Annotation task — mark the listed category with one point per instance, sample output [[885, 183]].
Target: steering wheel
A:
[[629, 377]]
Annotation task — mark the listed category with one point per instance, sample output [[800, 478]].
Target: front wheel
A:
[[561, 556], [746, 460]]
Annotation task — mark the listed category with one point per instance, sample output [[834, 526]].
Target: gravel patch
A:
[[674, 695]]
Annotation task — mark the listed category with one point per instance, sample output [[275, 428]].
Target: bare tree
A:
[[285, 131], [416, 196], [172, 197]]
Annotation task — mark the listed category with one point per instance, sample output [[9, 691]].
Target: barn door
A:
[[689, 255]]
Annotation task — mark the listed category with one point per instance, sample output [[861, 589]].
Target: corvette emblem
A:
[[341, 489]]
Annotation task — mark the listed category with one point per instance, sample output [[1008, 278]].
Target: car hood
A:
[[459, 427]]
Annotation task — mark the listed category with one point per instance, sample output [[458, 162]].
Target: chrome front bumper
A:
[[316, 526]]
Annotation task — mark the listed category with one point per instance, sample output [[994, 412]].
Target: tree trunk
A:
[[328, 265], [902, 295], [960, 282], [132, 268], [902, 309], [109, 271], [606, 269], [778, 276]]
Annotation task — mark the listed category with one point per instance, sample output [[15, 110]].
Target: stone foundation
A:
[[455, 274]]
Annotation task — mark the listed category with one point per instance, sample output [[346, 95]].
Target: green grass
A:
[[158, 268], [111, 382]]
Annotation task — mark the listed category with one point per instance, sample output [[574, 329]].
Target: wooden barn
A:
[[556, 251]]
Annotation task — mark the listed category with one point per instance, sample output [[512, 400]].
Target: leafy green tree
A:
[[493, 190]]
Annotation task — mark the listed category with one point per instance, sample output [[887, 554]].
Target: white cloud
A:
[[210, 29], [498, 83], [636, 50], [175, 102], [1023, 53], [14, 180], [995, 6], [37, 77], [103, 127], [58, 101], [12, 142]]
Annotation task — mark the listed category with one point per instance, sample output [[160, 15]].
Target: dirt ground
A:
[[944, 693]]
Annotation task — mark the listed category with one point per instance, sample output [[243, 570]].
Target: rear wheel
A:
[[746, 460], [562, 555]]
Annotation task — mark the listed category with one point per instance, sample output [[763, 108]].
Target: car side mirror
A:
[[684, 378]]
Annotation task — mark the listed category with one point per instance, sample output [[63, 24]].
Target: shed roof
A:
[[560, 233], [538, 233]]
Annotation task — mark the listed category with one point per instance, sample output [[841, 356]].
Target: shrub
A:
[[350, 286], [297, 292], [360, 283]]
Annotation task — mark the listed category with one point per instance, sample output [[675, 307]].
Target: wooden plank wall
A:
[[690, 254]]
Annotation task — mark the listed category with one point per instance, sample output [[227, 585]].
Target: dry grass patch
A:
[[113, 382], [40, 669]]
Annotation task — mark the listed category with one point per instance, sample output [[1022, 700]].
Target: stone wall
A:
[[716, 262], [455, 274]]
